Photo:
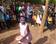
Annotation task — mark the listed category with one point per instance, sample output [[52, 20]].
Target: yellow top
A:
[[50, 20]]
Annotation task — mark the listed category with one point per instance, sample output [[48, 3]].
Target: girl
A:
[[25, 36]]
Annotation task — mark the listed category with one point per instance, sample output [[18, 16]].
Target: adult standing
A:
[[29, 12], [55, 14], [12, 6], [2, 8], [2, 11], [18, 9]]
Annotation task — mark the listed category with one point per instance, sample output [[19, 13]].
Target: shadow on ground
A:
[[12, 28], [41, 40], [51, 27], [8, 40]]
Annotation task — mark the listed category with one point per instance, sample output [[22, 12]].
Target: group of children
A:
[[37, 18]]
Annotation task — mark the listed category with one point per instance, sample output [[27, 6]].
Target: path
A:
[[48, 37]]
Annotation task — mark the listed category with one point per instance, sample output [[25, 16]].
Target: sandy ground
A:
[[47, 37]]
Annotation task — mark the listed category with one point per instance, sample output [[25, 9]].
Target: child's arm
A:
[[19, 28]]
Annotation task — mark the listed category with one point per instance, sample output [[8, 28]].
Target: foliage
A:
[[52, 1], [32, 1]]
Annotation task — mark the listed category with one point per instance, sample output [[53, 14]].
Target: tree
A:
[[44, 17], [52, 1]]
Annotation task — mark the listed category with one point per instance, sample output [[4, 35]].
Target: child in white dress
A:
[[25, 35]]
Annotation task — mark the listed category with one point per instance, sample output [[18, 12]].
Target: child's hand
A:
[[18, 38]]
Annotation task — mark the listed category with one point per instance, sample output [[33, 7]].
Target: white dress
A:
[[23, 32], [38, 20]]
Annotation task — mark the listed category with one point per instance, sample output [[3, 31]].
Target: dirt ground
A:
[[47, 37]]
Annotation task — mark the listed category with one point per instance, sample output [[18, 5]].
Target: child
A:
[[25, 36], [50, 22], [49, 19]]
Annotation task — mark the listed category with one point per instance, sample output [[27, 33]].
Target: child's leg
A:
[[29, 42], [19, 43]]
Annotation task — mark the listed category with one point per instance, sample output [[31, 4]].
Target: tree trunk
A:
[[44, 17]]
